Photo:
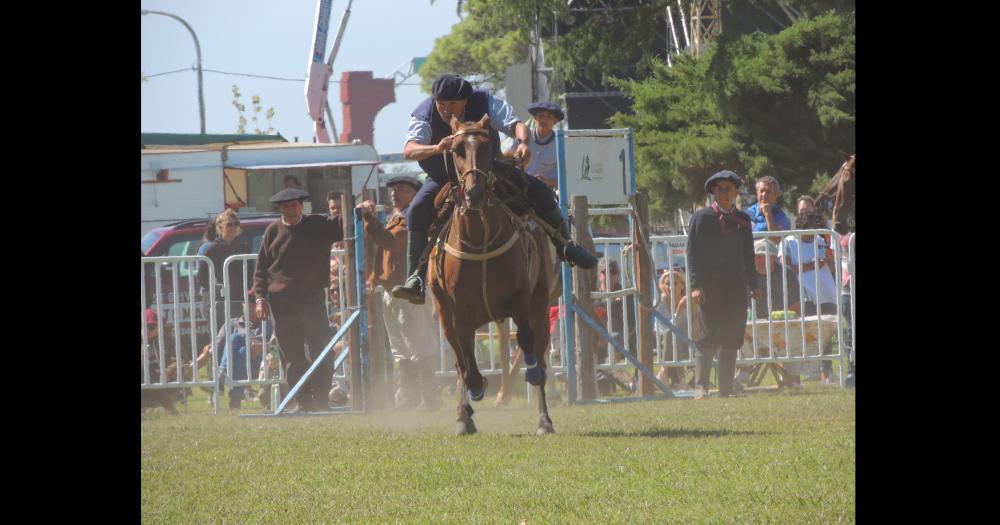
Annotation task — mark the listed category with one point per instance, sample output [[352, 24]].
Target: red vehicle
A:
[[185, 238]]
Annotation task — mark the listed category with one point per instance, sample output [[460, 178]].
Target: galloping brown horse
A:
[[841, 190], [488, 266]]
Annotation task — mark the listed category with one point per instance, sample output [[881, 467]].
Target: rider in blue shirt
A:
[[429, 136]]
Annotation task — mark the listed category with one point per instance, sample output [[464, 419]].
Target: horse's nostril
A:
[[475, 194]]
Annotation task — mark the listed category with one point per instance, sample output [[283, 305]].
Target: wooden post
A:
[[644, 279], [583, 284], [350, 288], [378, 377]]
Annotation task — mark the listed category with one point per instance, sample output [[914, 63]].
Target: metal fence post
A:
[[359, 265]]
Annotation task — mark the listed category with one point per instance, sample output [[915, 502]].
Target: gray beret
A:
[[451, 87], [404, 179], [289, 194], [551, 107], [722, 175]]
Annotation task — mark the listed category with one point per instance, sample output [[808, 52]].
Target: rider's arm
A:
[[503, 118], [415, 151], [418, 137]]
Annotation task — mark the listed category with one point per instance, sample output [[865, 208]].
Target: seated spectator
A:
[[765, 261], [805, 204], [816, 278], [609, 280], [673, 304], [243, 339], [766, 214], [150, 352]]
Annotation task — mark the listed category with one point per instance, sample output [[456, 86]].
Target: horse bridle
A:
[[489, 176]]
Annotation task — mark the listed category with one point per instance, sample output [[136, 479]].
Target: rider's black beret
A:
[[451, 87]]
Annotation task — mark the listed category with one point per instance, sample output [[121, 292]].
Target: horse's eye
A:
[[460, 148]]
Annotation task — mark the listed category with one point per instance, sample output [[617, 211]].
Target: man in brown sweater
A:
[[293, 272], [413, 334]]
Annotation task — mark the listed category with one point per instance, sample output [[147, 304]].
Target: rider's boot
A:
[[413, 289], [568, 250]]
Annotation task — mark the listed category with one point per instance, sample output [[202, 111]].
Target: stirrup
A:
[[403, 291]]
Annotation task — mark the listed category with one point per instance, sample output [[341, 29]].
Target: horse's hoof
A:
[[545, 429], [463, 428], [535, 376]]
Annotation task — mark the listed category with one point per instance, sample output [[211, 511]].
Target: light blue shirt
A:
[[543, 156], [502, 118]]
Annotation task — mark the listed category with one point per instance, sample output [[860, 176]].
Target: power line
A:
[[251, 75], [170, 72]]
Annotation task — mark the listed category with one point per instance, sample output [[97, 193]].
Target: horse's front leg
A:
[[462, 344], [464, 424]]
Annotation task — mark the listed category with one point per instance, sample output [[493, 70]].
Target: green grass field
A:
[[769, 457]]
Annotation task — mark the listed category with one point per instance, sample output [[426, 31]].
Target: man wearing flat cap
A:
[[293, 272], [412, 330], [721, 271], [543, 141], [429, 136]]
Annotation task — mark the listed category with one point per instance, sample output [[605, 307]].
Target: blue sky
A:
[[267, 37]]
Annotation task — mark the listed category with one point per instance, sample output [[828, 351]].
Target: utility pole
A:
[[197, 50]]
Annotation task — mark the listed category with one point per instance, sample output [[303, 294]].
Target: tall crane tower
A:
[[706, 23]]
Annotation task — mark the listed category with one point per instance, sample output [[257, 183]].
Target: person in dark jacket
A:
[[721, 264], [230, 241], [293, 272]]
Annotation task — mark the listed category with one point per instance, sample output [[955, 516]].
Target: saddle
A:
[[510, 188]]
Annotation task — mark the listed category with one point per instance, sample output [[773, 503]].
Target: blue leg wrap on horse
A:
[[534, 373]]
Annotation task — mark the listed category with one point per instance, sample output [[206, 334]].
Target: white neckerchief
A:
[[290, 225]]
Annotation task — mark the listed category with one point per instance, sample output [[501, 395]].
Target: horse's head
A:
[[473, 155], [848, 167]]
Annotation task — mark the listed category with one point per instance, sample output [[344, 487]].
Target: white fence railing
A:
[[180, 319]]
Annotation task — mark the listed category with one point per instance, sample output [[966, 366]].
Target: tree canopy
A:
[[779, 104]]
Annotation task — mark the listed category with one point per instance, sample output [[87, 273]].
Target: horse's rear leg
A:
[[535, 372], [507, 368], [540, 342]]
